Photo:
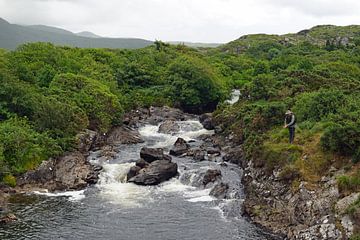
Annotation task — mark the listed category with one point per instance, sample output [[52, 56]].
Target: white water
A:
[[72, 195], [235, 96], [112, 181]]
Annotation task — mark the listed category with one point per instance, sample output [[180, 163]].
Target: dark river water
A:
[[180, 209]]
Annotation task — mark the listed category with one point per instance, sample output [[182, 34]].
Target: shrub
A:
[[343, 139], [316, 106], [9, 180]]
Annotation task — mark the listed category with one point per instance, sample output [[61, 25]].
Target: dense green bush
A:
[[316, 106], [342, 138], [22, 148], [194, 85]]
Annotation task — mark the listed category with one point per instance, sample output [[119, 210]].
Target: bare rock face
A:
[[69, 172], [211, 175], [180, 147], [156, 173]]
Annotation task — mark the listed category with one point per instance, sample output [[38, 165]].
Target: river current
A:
[[113, 209]]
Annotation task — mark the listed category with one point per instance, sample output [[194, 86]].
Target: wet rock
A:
[[207, 121], [235, 156], [8, 218], [134, 170], [156, 173], [211, 175], [180, 147], [199, 155], [214, 151], [169, 127], [85, 140], [141, 163], [123, 135], [69, 172], [151, 154], [159, 114], [220, 190]]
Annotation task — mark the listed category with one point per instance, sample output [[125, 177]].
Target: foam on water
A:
[[73, 196]]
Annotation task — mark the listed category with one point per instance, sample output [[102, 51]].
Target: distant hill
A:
[[318, 35], [88, 34], [196, 45], [13, 35]]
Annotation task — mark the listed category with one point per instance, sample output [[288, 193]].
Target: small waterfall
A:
[[235, 96]]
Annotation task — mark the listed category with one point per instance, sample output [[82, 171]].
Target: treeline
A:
[[49, 94], [320, 84]]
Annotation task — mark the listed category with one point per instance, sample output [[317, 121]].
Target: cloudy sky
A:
[[182, 20]]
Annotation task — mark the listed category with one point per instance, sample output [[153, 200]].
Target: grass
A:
[[302, 160]]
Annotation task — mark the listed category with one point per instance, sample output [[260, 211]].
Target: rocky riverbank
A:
[[291, 209]]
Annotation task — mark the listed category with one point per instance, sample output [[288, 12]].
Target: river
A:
[[113, 209]]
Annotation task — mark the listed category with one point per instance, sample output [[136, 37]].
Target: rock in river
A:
[[157, 172], [151, 154], [180, 147]]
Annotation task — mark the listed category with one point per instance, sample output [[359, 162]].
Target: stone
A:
[[85, 140], [123, 135], [169, 127], [211, 175], [69, 172], [156, 173], [207, 121], [152, 154], [8, 218], [219, 190], [180, 147], [134, 170], [345, 202], [141, 163]]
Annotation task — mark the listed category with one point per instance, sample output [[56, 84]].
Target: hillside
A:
[[318, 35], [308, 189], [12, 35]]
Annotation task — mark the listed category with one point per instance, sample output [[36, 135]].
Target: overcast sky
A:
[[182, 20]]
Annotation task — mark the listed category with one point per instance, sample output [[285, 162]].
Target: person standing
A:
[[290, 122]]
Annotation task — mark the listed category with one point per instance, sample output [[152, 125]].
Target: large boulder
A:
[[156, 173], [169, 127], [134, 170], [180, 147], [211, 175], [123, 135], [207, 121], [69, 172], [152, 154]]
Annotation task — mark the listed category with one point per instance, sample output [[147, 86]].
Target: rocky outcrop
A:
[[156, 173], [180, 147], [69, 172]]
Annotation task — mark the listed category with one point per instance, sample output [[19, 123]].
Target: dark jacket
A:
[[290, 120]]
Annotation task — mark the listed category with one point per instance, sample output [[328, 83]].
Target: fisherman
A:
[[290, 123]]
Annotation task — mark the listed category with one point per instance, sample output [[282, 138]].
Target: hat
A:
[[288, 112]]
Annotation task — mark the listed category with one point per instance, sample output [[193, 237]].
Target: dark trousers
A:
[[291, 134]]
